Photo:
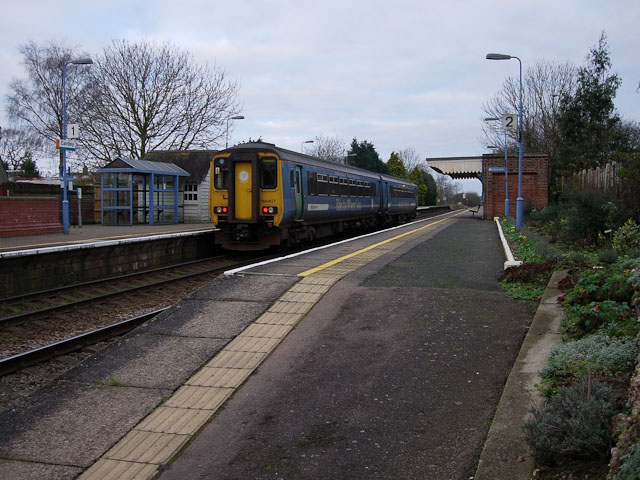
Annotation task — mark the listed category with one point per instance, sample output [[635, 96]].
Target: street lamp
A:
[[63, 177], [519, 200], [237, 117], [302, 145], [506, 169]]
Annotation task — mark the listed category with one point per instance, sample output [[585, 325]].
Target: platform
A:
[[89, 234], [379, 357]]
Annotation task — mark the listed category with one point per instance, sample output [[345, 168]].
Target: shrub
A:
[[598, 354], [574, 425], [599, 285], [631, 466], [607, 256], [613, 317], [627, 238]]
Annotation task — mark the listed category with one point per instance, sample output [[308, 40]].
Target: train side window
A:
[[268, 173], [323, 184], [353, 189]]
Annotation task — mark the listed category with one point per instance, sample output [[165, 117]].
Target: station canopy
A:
[[457, 167], [140, 191]]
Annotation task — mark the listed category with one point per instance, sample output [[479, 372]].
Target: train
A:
[[262, 196]]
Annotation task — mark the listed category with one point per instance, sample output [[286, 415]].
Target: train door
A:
[[298, 191], [243, 189]]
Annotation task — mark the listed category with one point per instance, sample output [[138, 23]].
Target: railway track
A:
[[44, 321]]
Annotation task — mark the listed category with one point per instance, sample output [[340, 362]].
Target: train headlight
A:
[[269, 210]]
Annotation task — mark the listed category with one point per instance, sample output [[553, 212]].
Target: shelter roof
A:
[[143, 166], [457, 167]]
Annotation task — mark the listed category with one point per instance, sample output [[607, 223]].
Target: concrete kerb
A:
[[506, 453], [510, 262]]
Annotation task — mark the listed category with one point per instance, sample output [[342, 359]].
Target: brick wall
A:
[[29, 216], [535, 183]]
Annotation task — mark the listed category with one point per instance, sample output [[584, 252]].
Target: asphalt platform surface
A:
[[394, 373]]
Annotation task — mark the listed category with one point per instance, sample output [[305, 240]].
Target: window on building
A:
[[191, 192]]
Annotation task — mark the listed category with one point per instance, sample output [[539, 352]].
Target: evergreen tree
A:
[[588, 122], [396, 166], [28, 167], [431, 197], [365, 156], [416, 177]]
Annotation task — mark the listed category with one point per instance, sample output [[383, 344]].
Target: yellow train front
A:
[[262, 195]]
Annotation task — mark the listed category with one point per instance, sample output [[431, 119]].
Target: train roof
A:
[[292, 156]]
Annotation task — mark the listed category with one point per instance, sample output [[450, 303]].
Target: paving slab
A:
[[207, 318], [147, 360], [71, 424], [15, 469], [244, 288]]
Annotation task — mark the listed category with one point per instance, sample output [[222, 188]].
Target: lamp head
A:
[[498, 56]]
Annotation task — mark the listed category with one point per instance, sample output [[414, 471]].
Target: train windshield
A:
[[220, 177]]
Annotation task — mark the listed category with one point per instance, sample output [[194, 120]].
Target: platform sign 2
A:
[[510, 121]]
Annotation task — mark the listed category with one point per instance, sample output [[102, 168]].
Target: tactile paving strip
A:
[[161, 435]]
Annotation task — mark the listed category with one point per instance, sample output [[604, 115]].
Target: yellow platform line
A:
[[163, 433], [370, 247]]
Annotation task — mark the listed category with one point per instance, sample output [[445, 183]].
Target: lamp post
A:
[[506, 169], [237, 117], [519, 200], [63, 176], [302, 145]]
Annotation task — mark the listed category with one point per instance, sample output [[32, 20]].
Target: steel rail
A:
[[62, 347]]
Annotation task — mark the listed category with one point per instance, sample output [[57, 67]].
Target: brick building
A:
[[535, 183], [490, 170]]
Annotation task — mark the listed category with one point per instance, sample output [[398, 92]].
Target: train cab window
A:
[[220, 175], [268, 173]]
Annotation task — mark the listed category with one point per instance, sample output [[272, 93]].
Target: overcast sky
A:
[[400, 74]]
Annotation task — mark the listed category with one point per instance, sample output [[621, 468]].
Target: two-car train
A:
[[262, 195]]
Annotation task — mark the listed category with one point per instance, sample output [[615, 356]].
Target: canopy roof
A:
[[457, 167], [130, 165]]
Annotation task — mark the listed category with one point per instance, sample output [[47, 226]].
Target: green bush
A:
[[614, 318], [574, 425], [626, 239], [597, 354], [607, 256], [599, 285], [630, 469]]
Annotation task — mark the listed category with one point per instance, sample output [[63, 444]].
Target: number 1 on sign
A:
[[73, 130]]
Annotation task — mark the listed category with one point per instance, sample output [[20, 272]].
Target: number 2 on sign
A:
[[509, 122]]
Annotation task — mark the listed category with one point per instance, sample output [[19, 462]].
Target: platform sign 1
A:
[[510, 121], [73, 130]]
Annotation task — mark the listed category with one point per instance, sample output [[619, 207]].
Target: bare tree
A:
[[447, 188], [544, 85], [17, 144], [36, 101], [411, 159], [329, 148], [145, 98]]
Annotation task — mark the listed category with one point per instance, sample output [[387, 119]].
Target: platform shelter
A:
[[140, 191], [498, 177]]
